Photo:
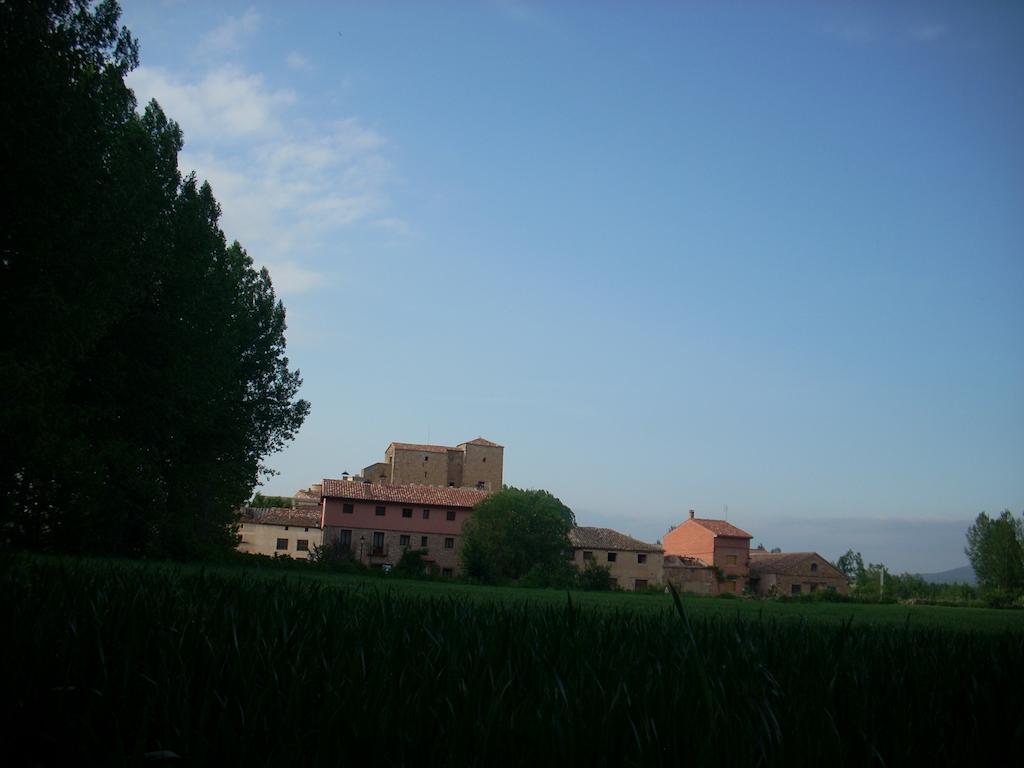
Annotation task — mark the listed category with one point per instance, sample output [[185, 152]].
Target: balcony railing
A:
[[377, 551]]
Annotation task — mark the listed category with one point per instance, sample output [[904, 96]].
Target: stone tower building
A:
[[473, 464]]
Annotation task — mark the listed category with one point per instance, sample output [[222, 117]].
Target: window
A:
[[446, 572], [480, 485], [641, 558], [426, 458], [282, 543], [485, 460], [406, 513], [814, 567], [306, 530], [588, 555], [302, 545], [449, 543], [378, 542], [795, 589], [423, 541], [730, 559], [612, 556], [451, 483], [451, 514], [640, 584], [346, 508], [286, 527], [345, 538], [380, 511], [403, 540], [426, 514]]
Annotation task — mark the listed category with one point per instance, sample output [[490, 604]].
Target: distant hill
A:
[[962, 575]]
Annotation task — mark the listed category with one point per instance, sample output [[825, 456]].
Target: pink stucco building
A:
[[377, 522]]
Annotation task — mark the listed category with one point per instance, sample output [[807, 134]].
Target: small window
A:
[[814, 567], [242, 525], [403, 540], [282, 543], [447, 572], [286, 527], [641, 558], [588, 555], [302, 545], [426, 514], [306, 530], [406, 513], [640, 584], [451, 514], [449, 543], [423, 541], [485, 460], [344, 538], [795, 589], [426, 458], [451, 483], [346, 508], [612, 556], [380, 511], [480, 485]]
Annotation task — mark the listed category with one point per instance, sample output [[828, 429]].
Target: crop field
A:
[[108, 662]]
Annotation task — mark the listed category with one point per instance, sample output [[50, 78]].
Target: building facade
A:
[[719, 545], [377, 522], [634, 564], [474, 464], [794, 573], [280, 531]]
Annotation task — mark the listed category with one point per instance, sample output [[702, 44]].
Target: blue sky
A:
[[758, 261]]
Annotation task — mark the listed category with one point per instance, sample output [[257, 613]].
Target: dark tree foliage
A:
[[995, 547], [142, 368], [513, 532]]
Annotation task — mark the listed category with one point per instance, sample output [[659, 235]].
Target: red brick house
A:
[[377, 522], [718, 544]]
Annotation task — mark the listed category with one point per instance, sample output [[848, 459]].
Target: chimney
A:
[[691, 514]]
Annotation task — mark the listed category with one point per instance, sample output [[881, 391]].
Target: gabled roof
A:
[[790, 563], [420, 447], [427, 495], [482, 441], [719, 527], [307, 517], [606, 538]]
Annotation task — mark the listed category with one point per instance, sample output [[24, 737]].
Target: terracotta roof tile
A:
[[429, 495], [305, 516], [789, 563], [420, 447], [720, 527], [482, 441], [606, 538], [682, 561]]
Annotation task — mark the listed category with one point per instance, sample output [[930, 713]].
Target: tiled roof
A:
[[721, 528], [420, 447], [790, 563], [682, 561], [606, 538], [482, 441], [305, 516], [428, 495]]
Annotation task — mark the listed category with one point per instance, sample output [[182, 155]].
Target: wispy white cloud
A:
[[298, 62], [232, 33], [288, 186], [226, 104], [928, 32]]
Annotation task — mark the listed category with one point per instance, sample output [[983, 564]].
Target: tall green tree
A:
[[142, 368], [995, 547], [513, 532]]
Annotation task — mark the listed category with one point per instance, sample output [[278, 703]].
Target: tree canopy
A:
[[995, 547], [143, 375], [514, 531]]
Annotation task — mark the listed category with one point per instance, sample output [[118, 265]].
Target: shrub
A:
[[413, 565], [595, 578]]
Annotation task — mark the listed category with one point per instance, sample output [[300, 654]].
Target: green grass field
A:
[[105, 662]]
